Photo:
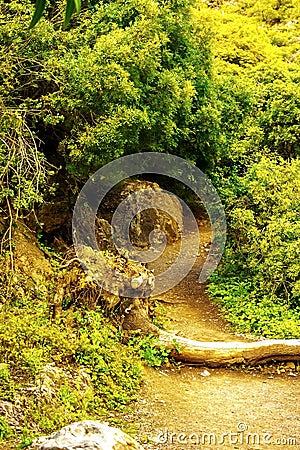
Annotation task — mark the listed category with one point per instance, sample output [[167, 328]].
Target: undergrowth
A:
[[258, 283], [153, 355], [54, 373], [249, 314]]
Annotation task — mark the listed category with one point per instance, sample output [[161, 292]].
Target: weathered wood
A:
[[218, 354]]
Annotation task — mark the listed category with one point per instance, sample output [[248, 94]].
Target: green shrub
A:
[[73, 369], [258, 282], [115, 369], [153, 355]]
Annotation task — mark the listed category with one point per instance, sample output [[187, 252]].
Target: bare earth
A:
[[203, 408]]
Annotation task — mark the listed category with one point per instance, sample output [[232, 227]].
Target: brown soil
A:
[[231, 405], [189, 310]]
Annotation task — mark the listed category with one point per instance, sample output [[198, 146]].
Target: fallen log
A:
[[220, 354]]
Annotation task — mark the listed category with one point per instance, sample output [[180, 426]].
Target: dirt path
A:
[[188, 309], [195, 407]]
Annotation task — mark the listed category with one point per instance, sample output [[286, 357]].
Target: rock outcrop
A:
[[165, 208]]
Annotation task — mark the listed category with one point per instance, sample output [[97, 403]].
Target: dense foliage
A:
[[216, 82], [72, 369], [256, 68], [258, 282], [126, 77]]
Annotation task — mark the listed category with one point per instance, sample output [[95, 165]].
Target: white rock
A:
[[87, 435], [205, 373]]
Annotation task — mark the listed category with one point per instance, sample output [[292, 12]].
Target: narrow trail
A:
[[196, 407], [188, 308]]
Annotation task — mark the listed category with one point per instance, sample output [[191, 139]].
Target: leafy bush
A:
[[115, 369], [252, 315], [258, 283], [256, 77], [125, 78], [153, 355], [72, 369]]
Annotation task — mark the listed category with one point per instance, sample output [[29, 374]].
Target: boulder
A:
[[88, 435], [161, 217]]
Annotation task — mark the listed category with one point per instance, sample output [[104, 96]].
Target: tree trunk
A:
[[218, 354]]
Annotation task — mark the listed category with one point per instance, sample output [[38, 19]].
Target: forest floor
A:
[[192, 407]]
